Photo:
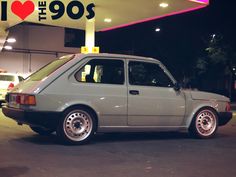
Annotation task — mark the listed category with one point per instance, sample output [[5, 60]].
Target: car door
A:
[[101, 83], [152, 100]]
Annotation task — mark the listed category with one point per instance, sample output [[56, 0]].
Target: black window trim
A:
[[102, 58], [153, 62]]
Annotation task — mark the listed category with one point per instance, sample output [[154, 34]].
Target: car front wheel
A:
[[77, 126], [205, 123]]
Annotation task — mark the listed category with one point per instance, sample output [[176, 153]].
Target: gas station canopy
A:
[[109, 14], [118, 13]]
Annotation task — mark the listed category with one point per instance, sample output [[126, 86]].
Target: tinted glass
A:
[[50, 68], [148, 74], [102, 71], [20, 78], [6, 78]]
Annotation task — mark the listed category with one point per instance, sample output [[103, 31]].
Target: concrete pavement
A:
[[25, 154]]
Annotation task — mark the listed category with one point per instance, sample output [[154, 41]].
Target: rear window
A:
[[49, 68], [7, 78]]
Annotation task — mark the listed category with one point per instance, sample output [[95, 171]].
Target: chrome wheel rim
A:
[[78, 125], [206, 123]]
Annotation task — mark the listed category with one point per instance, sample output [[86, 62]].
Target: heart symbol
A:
[[22, 10]]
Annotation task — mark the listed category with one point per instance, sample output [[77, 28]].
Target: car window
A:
[[148, 74], [20, 78], [102, 71], [7, 78], [49, 68]]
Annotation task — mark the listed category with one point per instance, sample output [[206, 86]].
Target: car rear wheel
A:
[[204, 124], [77, 126], [42, 131]]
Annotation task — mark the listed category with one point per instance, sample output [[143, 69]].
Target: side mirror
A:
[[177, 86]]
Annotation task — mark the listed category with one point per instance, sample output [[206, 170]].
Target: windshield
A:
[[49, 68]]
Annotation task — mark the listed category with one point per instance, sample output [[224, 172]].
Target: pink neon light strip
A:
[[154, 18], [201, 1]]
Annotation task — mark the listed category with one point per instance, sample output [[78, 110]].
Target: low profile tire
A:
[[42, 131], [77, 126], [205, 123]]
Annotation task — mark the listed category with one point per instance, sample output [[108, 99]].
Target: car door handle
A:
[[134, 92]]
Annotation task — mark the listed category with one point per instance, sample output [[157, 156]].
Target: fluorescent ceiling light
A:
[[11, 40], [163, 4], [107, 20], [8, 47]]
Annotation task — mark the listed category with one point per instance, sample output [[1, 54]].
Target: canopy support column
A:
[[3, 37], [90, 34]]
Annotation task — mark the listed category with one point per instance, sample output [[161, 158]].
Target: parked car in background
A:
[[2, 70], [7, 82], [79, 95]]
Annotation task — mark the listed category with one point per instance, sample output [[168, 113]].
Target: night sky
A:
[[181, 39]]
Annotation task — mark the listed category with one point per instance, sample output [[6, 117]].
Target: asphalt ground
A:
[[26, 154]]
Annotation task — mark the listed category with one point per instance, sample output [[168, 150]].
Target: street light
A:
[[157, 29], [213, 38]]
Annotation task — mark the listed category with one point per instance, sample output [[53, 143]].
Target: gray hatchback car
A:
[[81, 94]]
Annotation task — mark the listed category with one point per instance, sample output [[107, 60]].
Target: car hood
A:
[[199, 95]]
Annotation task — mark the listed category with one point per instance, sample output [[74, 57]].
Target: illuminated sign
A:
[[85, 50], [96, 50]]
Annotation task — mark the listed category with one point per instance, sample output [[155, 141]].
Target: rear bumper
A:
[[224, 118], [33, 118]]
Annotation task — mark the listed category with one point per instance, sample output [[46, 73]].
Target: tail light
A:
[[24, 99], [228, 107], [10, 86]]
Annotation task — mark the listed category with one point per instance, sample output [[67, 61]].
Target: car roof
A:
[[117, 56]]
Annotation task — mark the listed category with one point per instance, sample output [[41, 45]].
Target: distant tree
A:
[[215, 69]]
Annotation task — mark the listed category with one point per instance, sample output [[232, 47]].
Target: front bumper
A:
[[224, 118], [33, 118]]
